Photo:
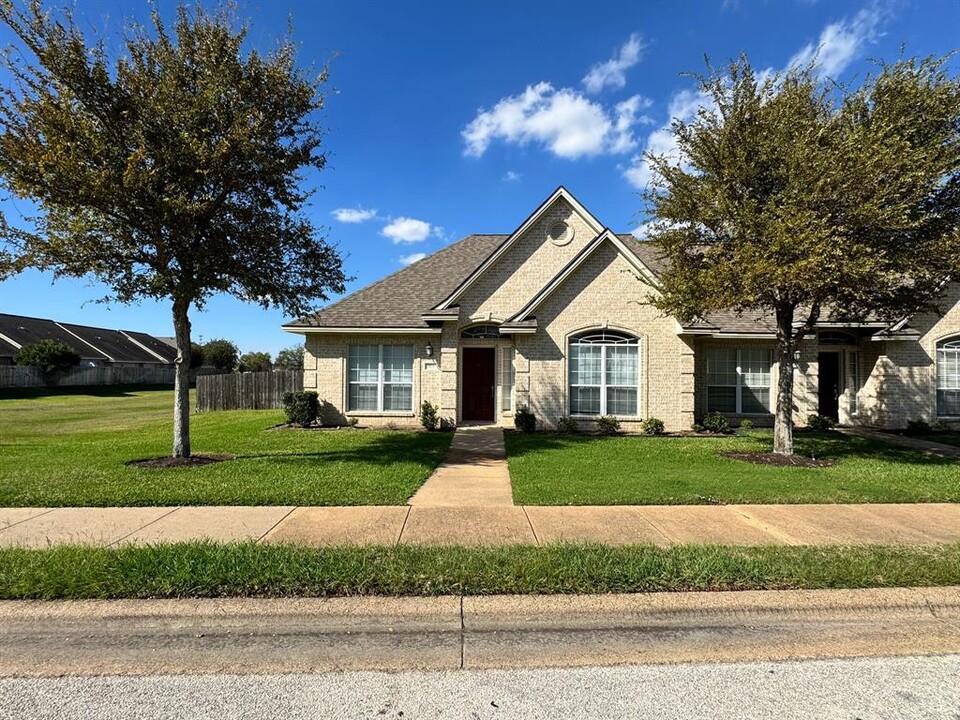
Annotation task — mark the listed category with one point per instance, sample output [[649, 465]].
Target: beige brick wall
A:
[[325, 370]]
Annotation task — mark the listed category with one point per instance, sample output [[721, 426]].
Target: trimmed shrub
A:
[[819, 422], [607, 425], [746, 424], [918, 427], [301, 407], [653, 426], [48, 355], [567, 426], [716, 423], [429, 416], [525, 420]]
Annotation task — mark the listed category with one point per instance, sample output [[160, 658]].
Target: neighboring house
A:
[[555, 317], [96, 346]]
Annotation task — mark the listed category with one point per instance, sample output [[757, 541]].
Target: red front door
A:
[[479, 378]]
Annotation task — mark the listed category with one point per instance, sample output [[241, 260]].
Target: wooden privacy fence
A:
[[22, 376], [246, 391]]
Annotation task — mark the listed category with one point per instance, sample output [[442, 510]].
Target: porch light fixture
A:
[[429, 350], [796, 356]]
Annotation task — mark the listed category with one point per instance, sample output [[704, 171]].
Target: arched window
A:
[[835, 337], [604, 373], [481, 332], [948, 378]]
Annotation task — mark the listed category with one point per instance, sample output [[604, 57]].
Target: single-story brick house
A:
[[554, 317]]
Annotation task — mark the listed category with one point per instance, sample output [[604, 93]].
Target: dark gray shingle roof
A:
[[399, 300], [27, 330], [117, 346]]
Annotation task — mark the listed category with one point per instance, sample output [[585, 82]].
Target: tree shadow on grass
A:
[[107, 391], [382, 451]]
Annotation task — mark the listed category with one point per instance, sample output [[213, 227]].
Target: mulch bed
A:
[[170, 462], [762, 458]]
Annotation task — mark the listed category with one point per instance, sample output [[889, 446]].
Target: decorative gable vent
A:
[[561, 233]]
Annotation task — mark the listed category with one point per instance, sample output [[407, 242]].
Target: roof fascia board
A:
[[575, 263], [560, 192], [88, 344], [141, 345], [17, 345]]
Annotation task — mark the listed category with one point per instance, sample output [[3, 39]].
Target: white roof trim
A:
[[89, 344], [577, 261], [363, 330], [17, 345], [141, 345], [560, 192]]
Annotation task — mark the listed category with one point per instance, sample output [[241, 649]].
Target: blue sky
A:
[[451, 118]]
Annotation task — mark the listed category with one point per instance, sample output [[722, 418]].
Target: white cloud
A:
[[408, 230], [354, 215], [512, 176], [612, 72], [841, 42], [412, 258], [563, 121]]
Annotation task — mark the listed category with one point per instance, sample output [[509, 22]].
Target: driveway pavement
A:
[[930, 523]]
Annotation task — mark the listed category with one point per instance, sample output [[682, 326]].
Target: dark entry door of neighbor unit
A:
[[829, 381], [479, 378]]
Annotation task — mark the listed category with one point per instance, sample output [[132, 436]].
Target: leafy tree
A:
[[222, 354], [290, 358], [168, 169], [196, 356], [255, 362], [809, 201], [48, 355]]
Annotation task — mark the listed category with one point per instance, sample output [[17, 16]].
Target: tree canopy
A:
[[291, 358], [168, 168], [806, 200], [221, 354], [254, 361], [49, 356]]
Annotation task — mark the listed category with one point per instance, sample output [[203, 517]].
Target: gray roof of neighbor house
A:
[[90, 343], [158, 345]]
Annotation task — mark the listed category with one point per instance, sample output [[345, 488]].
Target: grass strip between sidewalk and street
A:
[[206, 569]]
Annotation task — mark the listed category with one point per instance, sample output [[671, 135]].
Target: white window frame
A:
[[853, 366], [508, 378], [741, 384], [628, 341], [949, 345], [381, 384]]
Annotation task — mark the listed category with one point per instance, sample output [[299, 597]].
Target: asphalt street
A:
[[880, 688]]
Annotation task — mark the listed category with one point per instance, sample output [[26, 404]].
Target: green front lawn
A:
[[251, 570], [70, 448], [638, 470]]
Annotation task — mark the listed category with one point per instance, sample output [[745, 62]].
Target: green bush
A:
[[48, 355], [716, 423], [653, 426], [301, 407], [222, 354], [567, 426], [746, 424], [819, 422], [525, 420], [607, 425], [918, 427], [429, 417]]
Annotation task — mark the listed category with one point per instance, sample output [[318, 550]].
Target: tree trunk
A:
[[181, 381], [783, 421]]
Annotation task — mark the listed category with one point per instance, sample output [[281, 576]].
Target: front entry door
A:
[[829, 380], [479, 378]]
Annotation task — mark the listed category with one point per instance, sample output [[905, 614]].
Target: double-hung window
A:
[[738, 381], [380, 378], [604, 374], [948, 378]]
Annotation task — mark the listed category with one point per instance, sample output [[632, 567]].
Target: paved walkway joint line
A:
[[474, 473]]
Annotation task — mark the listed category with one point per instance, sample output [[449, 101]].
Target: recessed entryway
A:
[[479, 384], [830, 384]]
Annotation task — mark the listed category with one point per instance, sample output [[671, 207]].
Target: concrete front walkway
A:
[[889, 524], [941, 450], [474, 473]]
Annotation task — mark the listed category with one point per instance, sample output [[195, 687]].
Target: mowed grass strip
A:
[[69, 449], [551, 469], [249, 570]]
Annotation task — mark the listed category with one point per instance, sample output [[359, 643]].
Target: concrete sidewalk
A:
[[887, 524], [133, 637], [474, 473]]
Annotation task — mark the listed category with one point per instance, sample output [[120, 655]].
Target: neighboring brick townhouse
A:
[[555, 317]]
